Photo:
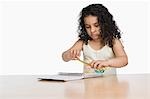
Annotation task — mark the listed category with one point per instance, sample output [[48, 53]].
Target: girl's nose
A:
[[92, 29]]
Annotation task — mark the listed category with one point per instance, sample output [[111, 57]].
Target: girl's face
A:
[[92, 27]]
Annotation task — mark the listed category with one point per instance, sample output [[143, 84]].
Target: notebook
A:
[[63, 76]]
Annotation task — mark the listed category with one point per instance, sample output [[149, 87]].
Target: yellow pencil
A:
[[88, 64], [83, 62]]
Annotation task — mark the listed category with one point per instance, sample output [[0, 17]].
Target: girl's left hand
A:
[[98, 64]]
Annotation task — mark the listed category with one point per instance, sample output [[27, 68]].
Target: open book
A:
[[62, 76]]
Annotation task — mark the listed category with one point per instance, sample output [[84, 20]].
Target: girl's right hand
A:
[[73, 52], [76, 49]]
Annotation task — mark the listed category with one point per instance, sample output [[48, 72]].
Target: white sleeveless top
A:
[[90, 54]]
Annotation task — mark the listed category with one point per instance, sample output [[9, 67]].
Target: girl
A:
[[99, 39]]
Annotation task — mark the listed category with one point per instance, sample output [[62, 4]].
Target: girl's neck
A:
[[97, 41], [96, 44]]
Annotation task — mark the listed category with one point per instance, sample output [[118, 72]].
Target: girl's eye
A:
[[96, 25], [87, 27]]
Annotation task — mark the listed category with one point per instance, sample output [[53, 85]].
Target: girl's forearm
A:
[[118, 62]]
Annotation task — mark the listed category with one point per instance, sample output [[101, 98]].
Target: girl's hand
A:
[[74, 52], [98, 64], [76, 49]]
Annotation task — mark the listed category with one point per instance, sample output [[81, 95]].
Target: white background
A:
[[33, 35]]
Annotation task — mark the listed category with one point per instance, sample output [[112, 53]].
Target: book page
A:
[[63, 77]]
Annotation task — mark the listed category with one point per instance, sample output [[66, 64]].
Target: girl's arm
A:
[[73, 52], [118, 61], [121, 58]]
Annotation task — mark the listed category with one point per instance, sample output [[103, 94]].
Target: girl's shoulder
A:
[[117, 43]]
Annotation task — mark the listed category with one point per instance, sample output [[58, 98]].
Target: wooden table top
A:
[[128, 86]]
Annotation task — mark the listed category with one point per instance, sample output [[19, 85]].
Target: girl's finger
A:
[[77, 57], [99, 66], [92, 63], [74, 54], [71, 53], [78, 53], [96, 65]]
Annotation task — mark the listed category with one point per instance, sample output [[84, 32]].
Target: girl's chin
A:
[[95, 38]]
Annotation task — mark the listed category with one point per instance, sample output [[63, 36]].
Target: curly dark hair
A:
[[109, 29]]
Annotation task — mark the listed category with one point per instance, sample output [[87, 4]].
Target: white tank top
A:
[[90, 54]]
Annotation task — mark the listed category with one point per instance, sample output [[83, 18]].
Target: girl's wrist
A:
[[108, 63]]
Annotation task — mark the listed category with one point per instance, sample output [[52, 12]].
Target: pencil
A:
[[84, 62], [88, 64]]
